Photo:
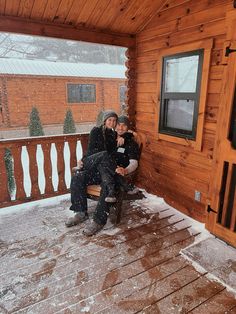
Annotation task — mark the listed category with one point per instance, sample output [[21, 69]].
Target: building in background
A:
[[53, 87]]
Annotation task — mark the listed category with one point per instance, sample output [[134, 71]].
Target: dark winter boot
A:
[[92, 229], [122, 183], [111, 198], [77, 219]]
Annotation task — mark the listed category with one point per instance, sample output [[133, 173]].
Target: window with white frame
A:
[[181, 80], [81, 93]]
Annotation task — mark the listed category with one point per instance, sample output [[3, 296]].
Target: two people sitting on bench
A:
[[110, 156]]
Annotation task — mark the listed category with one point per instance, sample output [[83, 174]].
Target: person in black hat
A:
[[126, 155], [96, 167]]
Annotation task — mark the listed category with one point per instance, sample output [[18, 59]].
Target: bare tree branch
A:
[[21, 46]]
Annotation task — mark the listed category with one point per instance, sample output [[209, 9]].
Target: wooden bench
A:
[[93, 192]]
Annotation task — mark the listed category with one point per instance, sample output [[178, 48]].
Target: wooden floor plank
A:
[[219, 303], [29, 251], [126, 256], [124, 269], [186, 298], [88, 248], [153, 292], [104, 285]]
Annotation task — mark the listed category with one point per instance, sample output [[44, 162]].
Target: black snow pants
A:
[[98, 169]]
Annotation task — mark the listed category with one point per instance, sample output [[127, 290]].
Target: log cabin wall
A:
[[49, 95], [173, 170]]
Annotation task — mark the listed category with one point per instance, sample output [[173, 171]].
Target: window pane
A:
[[86, 93], [179, 114], [181, 74], [123, 89], [71, 93], [81, 93]]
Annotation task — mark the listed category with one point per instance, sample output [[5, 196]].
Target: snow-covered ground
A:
[[204, 254], [153, 204]]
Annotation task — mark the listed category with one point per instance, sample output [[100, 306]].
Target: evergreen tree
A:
[[35, 126], [10, 170], [99, 120], [69, 124]]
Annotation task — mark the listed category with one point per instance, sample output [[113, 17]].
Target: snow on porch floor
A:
[[136, 267]]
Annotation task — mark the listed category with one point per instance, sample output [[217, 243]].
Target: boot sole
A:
[[90, 234], [110, 199], [72, 224], [68, 225]]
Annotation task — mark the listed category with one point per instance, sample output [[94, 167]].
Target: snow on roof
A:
[[47, 68]]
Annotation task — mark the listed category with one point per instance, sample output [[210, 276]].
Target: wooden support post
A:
[[46, 147], [131, 84]]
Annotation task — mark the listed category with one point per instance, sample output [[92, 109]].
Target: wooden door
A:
[[222, 201]]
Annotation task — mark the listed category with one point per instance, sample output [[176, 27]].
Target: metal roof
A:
[[48, 68]]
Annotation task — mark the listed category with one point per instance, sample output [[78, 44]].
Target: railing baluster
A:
[[61, 166], [18, 173], [46, 147], [84, 143], [73, 159], [33, 169], [4, 194]]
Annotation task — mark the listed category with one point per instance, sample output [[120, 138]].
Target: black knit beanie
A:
[[123, 119], [108, 114]]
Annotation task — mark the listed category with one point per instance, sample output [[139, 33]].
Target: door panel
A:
[[226, 213], [222, 196]]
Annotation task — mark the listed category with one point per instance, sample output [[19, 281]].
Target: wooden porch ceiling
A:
[[117, 17]]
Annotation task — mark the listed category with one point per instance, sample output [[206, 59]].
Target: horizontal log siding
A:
[[49, 95], [171, 170]]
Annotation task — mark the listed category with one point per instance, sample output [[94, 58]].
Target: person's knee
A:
[[77, 179], [108, 162], [104, 155], [73, 182]]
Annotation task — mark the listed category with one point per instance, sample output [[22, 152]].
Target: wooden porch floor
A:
[[134, 268]]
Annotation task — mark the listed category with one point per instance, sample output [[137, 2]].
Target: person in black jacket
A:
[[96, 167], [125, 156]]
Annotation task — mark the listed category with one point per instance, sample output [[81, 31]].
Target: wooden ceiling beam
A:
[[30, 27]]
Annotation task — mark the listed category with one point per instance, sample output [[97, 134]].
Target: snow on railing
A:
[[38, 167]]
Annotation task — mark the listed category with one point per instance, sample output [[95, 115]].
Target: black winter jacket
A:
[[130, 150], [101, 139]]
